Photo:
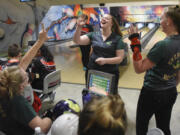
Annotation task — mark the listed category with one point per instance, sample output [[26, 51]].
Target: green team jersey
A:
[[15, 115], [166, 56]]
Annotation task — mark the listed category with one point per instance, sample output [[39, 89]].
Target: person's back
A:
[[42, 65], [14, 114], [103, 116]]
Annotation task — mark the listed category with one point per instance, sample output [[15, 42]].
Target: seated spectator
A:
[[104, 116], [14, 56], [17, 117], [42, 65]]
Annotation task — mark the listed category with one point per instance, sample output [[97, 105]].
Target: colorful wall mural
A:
[[17, 24], [63, 19]]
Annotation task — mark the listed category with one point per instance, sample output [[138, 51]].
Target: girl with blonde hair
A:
[[104, 116], [17, 117]]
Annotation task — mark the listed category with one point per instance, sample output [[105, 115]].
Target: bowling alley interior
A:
[[21, 22]]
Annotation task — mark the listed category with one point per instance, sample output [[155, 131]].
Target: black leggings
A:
[[85, 52], [159, 103]]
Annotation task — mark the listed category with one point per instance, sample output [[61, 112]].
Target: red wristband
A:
[[137, 56], [135, 41]]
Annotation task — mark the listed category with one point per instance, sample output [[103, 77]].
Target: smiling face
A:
[[106, 21]]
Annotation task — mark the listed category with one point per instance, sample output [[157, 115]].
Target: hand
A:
[[48, 113], [135, 39], [81, 22], [43, 34], [101, 61], [133, 29]]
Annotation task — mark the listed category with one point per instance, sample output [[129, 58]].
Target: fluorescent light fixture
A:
[[26, 0]]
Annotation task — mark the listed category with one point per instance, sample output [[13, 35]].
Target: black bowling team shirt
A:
[[40, 68], [86, 29], [106, 49]]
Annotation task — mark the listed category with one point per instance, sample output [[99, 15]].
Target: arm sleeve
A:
[[90, 34], [120, 45], [157, 52], [22, 111], [91, 28]]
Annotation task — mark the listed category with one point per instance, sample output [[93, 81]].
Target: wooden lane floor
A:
[[69, 61]]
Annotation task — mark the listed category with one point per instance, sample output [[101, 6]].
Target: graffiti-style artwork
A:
[[63, 19], [8, 21], [27, 35]]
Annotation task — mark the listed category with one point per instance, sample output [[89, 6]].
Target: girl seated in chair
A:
[[42, 65]]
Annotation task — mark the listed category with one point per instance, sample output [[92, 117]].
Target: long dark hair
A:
[[115, 26], [46, 53]]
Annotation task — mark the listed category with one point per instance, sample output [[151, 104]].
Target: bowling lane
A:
[[69, 61], [159, 35]]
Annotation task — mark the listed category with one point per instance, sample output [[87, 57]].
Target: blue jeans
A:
[[159, 103]]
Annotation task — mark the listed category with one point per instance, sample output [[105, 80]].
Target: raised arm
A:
[[78, 39], [27, 58], [140, 65]]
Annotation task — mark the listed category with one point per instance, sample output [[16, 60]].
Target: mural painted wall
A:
[[17, 24], [63, 19]]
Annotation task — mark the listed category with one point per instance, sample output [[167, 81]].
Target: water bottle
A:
[[38, 131]]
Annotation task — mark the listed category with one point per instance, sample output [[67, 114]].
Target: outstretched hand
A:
[[25, 61], [43, 33], [135, 42], [133, 29], [81, 21]]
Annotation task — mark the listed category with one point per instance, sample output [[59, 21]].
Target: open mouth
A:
[[103, 22]]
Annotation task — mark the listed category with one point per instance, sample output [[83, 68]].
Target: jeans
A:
[[159, 103]]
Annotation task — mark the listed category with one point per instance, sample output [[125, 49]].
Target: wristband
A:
[[135, 41]]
